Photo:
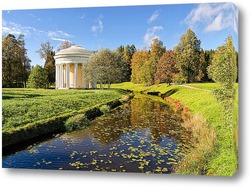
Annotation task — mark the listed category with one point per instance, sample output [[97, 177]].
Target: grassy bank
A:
[[28, 113], [200, 100]]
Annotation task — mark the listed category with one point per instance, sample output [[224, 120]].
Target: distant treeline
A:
[[185, 63]]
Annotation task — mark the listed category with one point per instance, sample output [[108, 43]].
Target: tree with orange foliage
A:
[[166, 68]]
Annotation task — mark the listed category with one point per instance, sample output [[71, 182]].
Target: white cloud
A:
[[154, 16], [213, 17], [97, 28], [216, 24], [60, 34], [82, 16], [16, 29], [151, 34], [59, 39], [32, 15]]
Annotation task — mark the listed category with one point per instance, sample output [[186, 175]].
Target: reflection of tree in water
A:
[[154, 119], [108, 129], [159, 118]]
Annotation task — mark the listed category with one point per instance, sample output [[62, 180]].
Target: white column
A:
[[56, 76], [75, 75], [90, 85], [60, 75], [67, 76], [83, 78]]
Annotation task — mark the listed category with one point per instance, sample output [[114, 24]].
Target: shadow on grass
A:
[[15, 95], [171, 92]]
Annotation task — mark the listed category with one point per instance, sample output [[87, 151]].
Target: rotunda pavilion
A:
[[69, 68]]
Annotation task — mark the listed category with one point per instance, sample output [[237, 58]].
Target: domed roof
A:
[[73, 51]]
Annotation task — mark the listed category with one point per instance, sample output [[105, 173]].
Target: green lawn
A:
[[23, 106], [202, 102]]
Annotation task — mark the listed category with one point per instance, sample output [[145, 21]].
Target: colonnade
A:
[[71, 75]]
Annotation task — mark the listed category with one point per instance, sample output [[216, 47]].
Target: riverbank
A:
[[200, 100], [30, 113]]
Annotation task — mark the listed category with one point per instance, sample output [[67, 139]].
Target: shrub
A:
[[76, 122], [105, 109], [179, 79], [38, 78]]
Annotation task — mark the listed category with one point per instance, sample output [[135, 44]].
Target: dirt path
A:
[[191, 87]]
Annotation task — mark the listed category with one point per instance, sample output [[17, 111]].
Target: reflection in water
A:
[[142, 136]]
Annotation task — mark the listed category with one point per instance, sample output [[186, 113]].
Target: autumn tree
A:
[[223, 70], [15, 62], [47, 53], [188, 56], [166, 68], [38, 78], [65, 44], [146, 73], [138, 59]]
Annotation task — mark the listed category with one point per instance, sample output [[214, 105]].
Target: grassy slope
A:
[[23, 106], [203, 103]]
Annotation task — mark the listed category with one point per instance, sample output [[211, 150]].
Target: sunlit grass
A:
[[202, 102], [23, 106]]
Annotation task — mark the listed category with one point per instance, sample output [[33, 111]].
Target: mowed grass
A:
[[23, 106], [202, 102]]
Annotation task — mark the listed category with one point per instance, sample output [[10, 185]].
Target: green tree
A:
[[138, 59], [104, 67], [146, 73], [156, 51], [206, 60], [126, 53], [15, 62], [26, 68], [46, 52], [223, 70], [38, 78], [188, 56], [120, 49]]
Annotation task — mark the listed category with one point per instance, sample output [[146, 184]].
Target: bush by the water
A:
[[76, 122], [105, 109]]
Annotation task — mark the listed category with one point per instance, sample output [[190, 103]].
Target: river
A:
[[144, 135]]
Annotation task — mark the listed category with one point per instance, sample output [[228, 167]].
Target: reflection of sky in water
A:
[[145, 136]]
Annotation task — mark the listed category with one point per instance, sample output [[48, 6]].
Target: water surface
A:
[[141, 136]]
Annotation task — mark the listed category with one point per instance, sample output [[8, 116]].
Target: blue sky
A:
[[109, 27]]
